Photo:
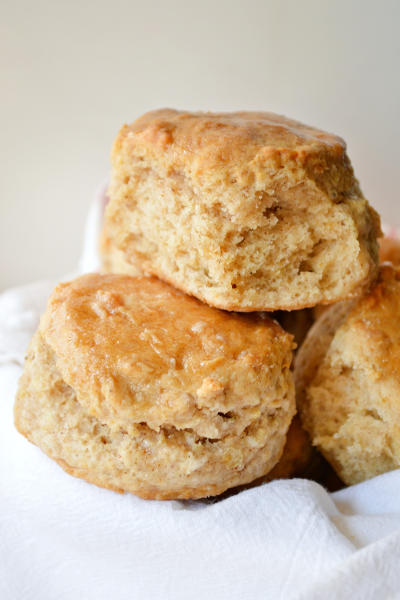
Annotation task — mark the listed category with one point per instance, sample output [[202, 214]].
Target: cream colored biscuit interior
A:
[[246, 211], [134, 386]]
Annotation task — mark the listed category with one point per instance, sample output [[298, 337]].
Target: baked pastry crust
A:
[[132, 385], [389, 250], [348, 382], [245, 211], [298, 455], [296, 322]]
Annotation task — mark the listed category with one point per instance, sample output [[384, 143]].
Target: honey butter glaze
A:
[[258, 129], [137, 350]]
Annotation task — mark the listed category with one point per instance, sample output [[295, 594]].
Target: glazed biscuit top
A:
[[198, 142], [371, 332], [136, 349]]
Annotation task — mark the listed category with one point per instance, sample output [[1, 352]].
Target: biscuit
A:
[[298, 454], [389, 250], [246, 211], [299, 459], [296, 322], [347, 377], [134, 386]]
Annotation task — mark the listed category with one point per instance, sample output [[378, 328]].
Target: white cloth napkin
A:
[[64, 539]]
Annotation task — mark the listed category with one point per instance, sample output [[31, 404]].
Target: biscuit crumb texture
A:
[[245, 211], [134, 386], [348, 382]]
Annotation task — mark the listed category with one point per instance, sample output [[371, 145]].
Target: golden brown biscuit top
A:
[[132, 344], [212, 140], [373, 326]]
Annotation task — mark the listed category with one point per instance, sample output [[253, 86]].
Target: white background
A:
[[73, 72]]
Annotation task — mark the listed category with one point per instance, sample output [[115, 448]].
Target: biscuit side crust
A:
[[389, 250], [298, 454]]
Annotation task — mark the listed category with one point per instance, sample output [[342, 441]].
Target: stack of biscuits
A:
[[168, 375]]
